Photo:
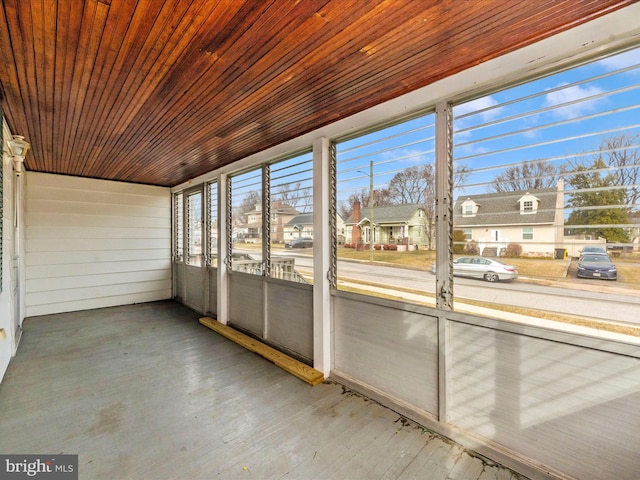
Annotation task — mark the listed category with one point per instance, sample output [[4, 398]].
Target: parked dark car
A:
[[593, 249], [479, 267], [592, 265], [303, 242]]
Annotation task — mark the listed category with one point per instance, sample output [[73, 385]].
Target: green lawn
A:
[[421, 259], [538, 267], [628, 265]]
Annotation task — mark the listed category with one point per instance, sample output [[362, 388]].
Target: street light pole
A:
[[371, 227]]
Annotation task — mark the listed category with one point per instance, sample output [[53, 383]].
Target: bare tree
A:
[[248, 203], [362, 196], [345, 209], [289, 194], [622, 155], [410, 185], [381, 197], [307, 199], [529, 175]]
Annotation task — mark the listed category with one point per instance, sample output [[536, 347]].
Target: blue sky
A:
[[556, 118], [295, 172]]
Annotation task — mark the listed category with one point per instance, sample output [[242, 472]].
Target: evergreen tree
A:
[[595, 201]]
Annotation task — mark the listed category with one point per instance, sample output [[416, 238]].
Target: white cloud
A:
[[482, 103], [623, 60], [572, 94], [411, 156]]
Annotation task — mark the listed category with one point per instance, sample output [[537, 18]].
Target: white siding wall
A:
[[7, 313], [95, 243], [544, 240]]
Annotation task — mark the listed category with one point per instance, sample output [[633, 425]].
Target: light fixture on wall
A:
[[19, 146]]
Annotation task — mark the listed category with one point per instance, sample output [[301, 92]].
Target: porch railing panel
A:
[[570, 406], [388, 348], [246, 302], [561, 401], [194, 293], [213, 291], [290, 317]]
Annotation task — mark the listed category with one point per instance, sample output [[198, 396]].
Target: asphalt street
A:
[[597, 299]]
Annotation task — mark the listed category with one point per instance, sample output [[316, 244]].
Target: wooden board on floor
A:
[[294, 367]]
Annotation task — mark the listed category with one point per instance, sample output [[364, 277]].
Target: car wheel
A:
[[491, 277]]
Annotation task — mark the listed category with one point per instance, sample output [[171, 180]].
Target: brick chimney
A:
[[356, 233]]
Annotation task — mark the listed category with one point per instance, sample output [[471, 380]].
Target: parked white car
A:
[[488, 269]]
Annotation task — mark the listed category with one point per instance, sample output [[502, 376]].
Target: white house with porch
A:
[[399, 224], [302, 226]]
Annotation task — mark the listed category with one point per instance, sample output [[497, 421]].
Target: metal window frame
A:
[[186, 224], [210, 191], [178, 225], [444, 206]]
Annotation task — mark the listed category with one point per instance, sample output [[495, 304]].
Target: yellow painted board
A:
[[302, 371]]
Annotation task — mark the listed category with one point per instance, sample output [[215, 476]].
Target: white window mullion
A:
[[322, 258]]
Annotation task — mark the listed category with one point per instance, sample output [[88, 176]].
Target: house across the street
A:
[[392, 224], [531, 219], [250, 230]]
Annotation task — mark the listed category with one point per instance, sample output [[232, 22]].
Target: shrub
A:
[[392, 247], [377, 247], [513, 250], [459, 242], [471, 248]]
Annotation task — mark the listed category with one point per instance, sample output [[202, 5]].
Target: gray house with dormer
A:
[[532, 219]]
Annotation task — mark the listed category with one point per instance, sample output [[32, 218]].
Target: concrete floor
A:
[[145, 391]]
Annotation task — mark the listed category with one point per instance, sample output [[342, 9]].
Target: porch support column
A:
[[444, 246], [224, 236], [322, 241]]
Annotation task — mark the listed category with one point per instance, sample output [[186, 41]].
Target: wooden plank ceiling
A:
[[160, 91]]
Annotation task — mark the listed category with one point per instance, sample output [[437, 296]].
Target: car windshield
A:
[[596, 258]]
